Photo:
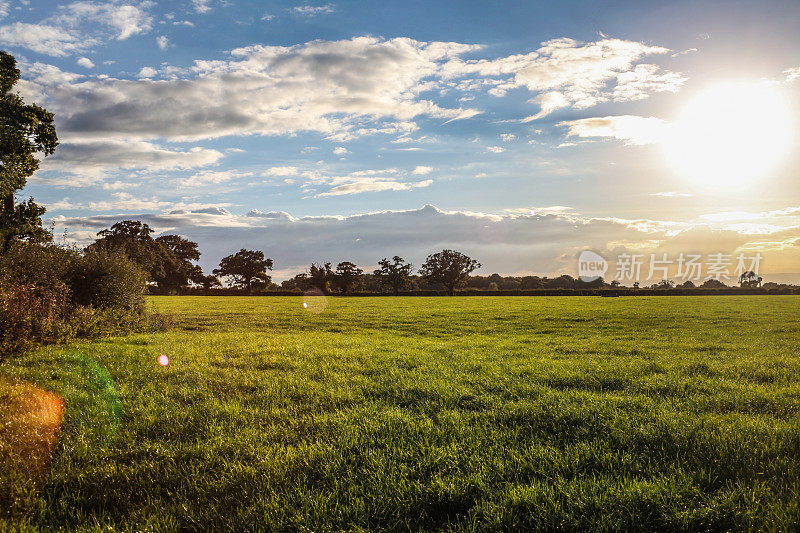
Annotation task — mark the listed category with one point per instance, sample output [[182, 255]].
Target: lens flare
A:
[[314, 301], [163, 360]]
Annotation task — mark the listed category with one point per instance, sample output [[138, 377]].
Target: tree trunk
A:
[[8, 202]]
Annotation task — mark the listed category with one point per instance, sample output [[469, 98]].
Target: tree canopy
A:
[[320, 276], [247, 268], [347, 276], [395, 274], [25, 130], [448, 267]]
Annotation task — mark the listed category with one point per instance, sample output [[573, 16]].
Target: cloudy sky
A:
[[518, 132]]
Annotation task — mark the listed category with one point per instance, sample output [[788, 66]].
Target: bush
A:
[[31, 315], [49, 294], [107, 280]]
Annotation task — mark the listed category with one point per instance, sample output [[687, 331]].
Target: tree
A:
[[25, 130], [712, 283], [134, 239], [664, 284], [178, 268], [23, 223], [749, 279], [395, 274], [320, 276], [347, 276], [448, 267], [207, 281], [248, 268]]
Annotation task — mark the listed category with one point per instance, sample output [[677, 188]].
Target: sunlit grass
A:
[[433, 413]]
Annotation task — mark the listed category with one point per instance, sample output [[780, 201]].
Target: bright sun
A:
[[731, 135]]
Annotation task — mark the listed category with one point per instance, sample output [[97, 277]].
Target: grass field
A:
[[485, 413]]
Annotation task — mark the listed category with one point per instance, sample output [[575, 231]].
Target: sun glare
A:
[[731, 136]]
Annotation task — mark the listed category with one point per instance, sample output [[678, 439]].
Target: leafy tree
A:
[[178, 267], [207, 281], [248, 268], [664, 284], [712, 283], [688, 284], [134, 239], [750, 279], [320, 276], [448, 267], [395, 274], [347, 276], [25, 130], [299, 282], [23, 223]]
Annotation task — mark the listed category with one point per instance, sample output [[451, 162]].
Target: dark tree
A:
[[178, 268], [688, 284], [134, 239], [448, 267], [712, 283], [320, 276], [22, 223], [347, 276], [750, 279], [207, 281], [394, 274], [25, 130], [247, 268]]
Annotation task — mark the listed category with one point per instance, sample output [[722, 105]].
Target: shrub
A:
[[107, 279], [31, 315]]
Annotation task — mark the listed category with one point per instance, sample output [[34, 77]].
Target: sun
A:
[[731, 136]]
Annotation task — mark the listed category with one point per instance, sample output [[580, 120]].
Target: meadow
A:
[[411, 413]]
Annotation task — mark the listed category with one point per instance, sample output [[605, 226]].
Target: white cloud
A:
[[311, 11], [507, 137], [267, 17], [201, 6], [340, 150], [361, 185], [282, 171], [209, 177], [162, 42], [147, 72], [565, 72], [122, 18], [422, 170], [792, 73], [96, 158], [85, 62], [629, 128], [4, 5], [342, 89], [43, 38], [496, 149]]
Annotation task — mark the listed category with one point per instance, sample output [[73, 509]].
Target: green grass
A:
[[490, 413]]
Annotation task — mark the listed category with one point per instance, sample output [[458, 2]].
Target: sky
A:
[[520, 133]]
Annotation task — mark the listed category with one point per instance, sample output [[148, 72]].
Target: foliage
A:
[[448, 267], [22, 224], [320, 276], [107, 279], [415, 414], [134, 239], [247, 268], [25, 130], [394, 274], [178, 268], [207, 281], [712, 283], [31, 314], [347, 276]]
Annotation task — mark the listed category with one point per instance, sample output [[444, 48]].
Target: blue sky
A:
[[321, 131]]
